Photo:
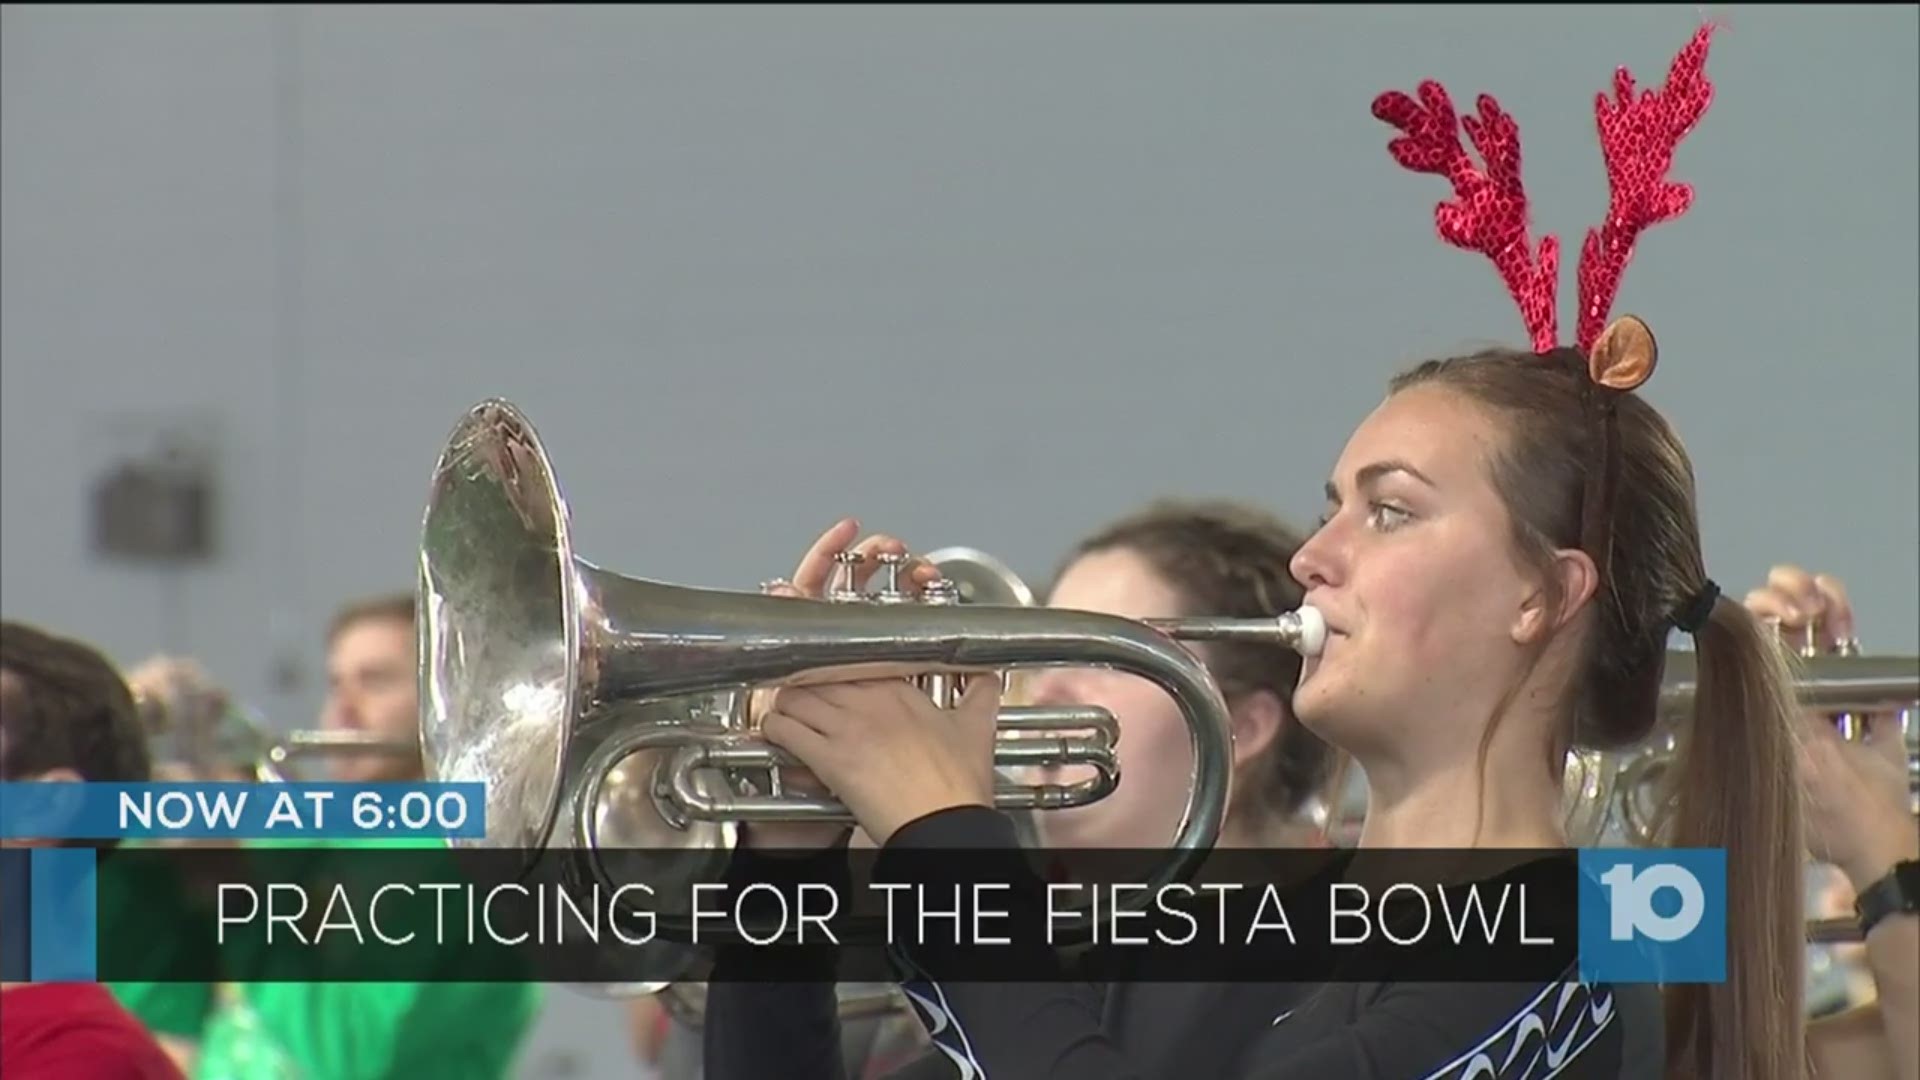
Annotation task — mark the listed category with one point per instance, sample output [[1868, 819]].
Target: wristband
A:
[[1896, 894]]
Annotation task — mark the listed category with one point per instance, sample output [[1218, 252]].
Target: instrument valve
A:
[[843, 590], [940, 592], [891, 592]]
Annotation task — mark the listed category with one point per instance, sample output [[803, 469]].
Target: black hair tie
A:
[[1694, 613]]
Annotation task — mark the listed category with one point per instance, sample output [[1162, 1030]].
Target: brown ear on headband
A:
[[1624, 355]]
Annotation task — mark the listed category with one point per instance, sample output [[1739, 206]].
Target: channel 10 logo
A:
[[1653, 916]]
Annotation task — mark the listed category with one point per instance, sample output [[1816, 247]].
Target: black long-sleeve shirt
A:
[[1065, 1030]]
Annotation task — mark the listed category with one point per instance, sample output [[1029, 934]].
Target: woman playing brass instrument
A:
[[1511, 537]]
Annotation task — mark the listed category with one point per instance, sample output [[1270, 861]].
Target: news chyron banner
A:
[[333, 882]]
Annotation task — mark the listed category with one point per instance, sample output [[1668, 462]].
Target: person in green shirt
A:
[[175, 1012], [353, 1030], [293, 1030]]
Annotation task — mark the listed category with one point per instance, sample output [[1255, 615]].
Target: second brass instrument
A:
[[271, 766]]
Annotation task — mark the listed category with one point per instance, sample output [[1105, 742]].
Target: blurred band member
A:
[[372, 688], [345, 1031]]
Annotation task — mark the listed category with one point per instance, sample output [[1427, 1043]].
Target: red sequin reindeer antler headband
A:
[[1489, 214]]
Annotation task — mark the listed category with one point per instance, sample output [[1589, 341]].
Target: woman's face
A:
[[1155, 750], [1414, 570]]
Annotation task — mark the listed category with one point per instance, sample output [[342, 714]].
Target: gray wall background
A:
[[980, 276]]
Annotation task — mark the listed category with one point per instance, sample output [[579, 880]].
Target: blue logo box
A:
[[1653, 915]]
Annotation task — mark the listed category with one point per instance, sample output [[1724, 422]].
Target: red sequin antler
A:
[[1490, 215], [1637, 139]]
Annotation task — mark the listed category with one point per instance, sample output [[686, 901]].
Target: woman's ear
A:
[[1564, 594], [1258, 719]]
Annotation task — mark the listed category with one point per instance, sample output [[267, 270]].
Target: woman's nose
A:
[[1314, 564]]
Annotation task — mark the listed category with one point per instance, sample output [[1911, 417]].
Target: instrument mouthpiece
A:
[[1308, 630], [1304, 630]]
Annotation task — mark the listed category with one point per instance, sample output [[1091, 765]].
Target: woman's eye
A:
[[1386, 517]]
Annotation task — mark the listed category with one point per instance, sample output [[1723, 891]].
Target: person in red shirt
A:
[[66, 715], [75, 1031]]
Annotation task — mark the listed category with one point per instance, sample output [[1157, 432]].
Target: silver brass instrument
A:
[[980, 579], [272, 764], [576, 694], [1589, 794], [1850, 686], [196, 729]]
